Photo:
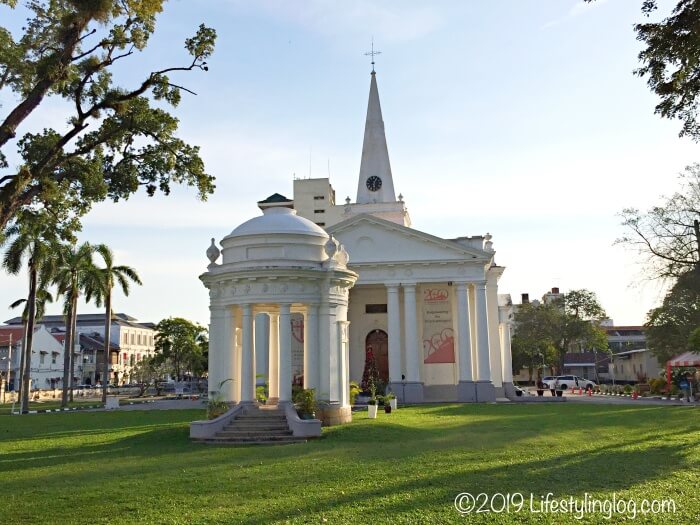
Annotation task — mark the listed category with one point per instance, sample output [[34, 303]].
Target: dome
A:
[[279, 220], [277, 238]]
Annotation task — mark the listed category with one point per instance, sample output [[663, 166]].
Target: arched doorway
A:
[[378, 342]]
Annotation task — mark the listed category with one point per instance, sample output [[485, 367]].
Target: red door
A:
[[378, 342]]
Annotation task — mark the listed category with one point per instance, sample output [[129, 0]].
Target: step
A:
[[239, 442], [257, 426], [257, 435], [260, 418]]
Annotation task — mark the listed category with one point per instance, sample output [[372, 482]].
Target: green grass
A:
[[407, 467]]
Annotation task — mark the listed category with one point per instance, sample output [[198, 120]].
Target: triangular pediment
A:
[[369, 239]]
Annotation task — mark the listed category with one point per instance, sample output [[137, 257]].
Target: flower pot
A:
[[540, 393], [392, 404], [560, 393], [372, 411], [387, 409]]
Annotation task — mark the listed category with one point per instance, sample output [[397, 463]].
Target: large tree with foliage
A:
[[670, 61], [578, 325], [533, 344], [31, 240], [74, 275], [108, 277], [671, 327], [182, 346], [118, 138], [668, 235]]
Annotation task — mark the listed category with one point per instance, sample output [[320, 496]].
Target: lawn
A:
[[406, 467]]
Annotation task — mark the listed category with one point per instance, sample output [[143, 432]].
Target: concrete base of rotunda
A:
[[485, 391], [333, 414], [466, 392]]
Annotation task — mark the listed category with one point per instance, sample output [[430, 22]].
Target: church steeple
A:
[[375, 183]]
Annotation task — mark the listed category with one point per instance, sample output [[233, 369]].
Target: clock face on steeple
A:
[[374, 183]]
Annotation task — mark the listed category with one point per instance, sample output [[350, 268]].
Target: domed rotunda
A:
[[278, 264]]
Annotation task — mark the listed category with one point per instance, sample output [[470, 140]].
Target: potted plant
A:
[[305, 401], [372, 403], [354, 392], [372, 408], [389, 402]]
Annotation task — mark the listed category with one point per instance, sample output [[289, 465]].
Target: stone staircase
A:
[[257, 425]]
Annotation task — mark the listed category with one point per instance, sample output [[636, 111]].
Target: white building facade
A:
[[428, 308]]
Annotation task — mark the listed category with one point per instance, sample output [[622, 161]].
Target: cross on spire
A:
[[372, 54]]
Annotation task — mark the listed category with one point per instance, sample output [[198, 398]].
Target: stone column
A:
[[494, 336], [466, 391], [484, 388], [311, 347], [285, 357], [274, 359], [413, 389], [248, 356], [394, 327], [507, 361], [227, 361], [216, 349]]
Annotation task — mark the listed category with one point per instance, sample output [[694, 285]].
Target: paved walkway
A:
[[619, 400]]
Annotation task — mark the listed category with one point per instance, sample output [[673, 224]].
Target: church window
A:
[[375, 308], [319, 211], [319, 197], [320, 223]]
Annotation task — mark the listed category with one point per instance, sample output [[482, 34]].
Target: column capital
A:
[[392, 287], [285, 308], [247, 309], [479, 284], [462, 285], [409, 286]]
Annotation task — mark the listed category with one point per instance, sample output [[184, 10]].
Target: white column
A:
[[394, 327], [311, 347], [216, 349], [274, 356], [464, 334], [227, 362], [344, 355], [248, 356], [285, 357], [507, 357], [482, 333], [326, 318], [413, 352], [494, 339]]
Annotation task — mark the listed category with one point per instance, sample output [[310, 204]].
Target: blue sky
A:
[[521, 118]]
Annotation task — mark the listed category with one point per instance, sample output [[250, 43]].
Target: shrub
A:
[[354, 391], [628, 389], [305, 401]]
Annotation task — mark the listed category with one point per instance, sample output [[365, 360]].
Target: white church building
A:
[[325, 283]]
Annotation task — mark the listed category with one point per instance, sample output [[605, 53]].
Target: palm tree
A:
[[109, 276], [75, 273], [34, 240], [42, 297]]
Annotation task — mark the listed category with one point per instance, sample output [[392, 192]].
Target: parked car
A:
[[547, 380], [575, 382]]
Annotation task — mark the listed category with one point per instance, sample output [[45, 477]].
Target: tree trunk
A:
[[108, 326], [20, 372], [74, 308], [67, 343], [31, 314]]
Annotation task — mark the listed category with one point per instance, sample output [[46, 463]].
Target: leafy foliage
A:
[[551, 329], [117, 140], [182, 346], [671, 62], [668, 235], [671, 326]]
